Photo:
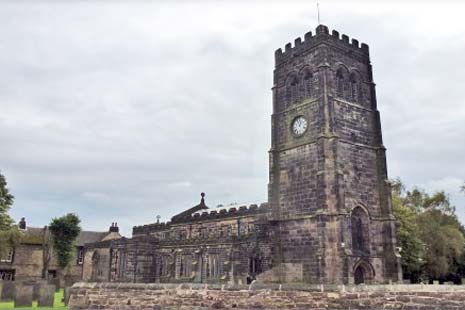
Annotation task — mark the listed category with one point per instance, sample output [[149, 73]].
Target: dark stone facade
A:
[[328, 218], [328, 187]]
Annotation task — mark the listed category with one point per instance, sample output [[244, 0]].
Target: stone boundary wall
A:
[[128, 296]]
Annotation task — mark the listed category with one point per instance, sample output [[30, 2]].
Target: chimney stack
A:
[[22, 224], [114, 227]]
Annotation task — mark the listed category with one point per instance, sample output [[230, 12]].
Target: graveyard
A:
[[34, 296]]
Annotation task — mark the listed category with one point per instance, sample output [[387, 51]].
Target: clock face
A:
[[299, 126]]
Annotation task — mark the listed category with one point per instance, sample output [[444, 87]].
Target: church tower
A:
[[328, 186]]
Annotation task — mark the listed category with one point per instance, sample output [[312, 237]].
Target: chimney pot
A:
[[22, 223]]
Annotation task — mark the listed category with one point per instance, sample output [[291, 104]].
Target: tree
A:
[[407, 233], [6, 201], [9, 234], [429, 233], [444, 243], [64, 231]]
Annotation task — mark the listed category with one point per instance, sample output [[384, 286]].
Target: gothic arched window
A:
[[360, 231], [353, 87], [340, 82], [292, 89], [307, 83]]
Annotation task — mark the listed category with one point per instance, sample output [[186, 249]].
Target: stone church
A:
[[328, 218]]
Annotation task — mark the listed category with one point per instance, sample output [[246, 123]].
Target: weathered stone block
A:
[[46, 295], [8, 290], [23, 296], [67, 292], [55, 282]]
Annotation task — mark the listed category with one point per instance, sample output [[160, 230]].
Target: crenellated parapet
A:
[[204, 215], [311, 40], [232, 211], [149, 228]]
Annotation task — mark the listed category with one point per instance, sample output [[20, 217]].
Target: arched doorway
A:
[[363, 273], [359, 276], [95, 266]]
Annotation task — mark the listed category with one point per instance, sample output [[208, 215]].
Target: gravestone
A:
[[69, 281], [66, 295], [37, 286], [23, 296], [8, 290], [46, 295], [56, 282]]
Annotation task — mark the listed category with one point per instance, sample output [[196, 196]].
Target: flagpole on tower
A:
[[318, 10]]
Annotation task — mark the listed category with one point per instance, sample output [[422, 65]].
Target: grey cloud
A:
[[121, 112]]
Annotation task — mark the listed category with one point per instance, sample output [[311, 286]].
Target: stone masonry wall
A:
[[112, 296]]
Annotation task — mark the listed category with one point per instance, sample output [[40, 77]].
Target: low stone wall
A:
[[125, 296]]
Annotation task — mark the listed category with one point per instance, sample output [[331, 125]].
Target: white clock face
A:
[[299, 126]]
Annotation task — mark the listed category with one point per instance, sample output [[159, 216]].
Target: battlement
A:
[[203, 215], [310, 40], [145, 229], [231, 211]]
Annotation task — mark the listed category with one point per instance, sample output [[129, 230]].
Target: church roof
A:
[[188, 213]]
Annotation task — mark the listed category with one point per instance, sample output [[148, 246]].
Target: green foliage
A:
[[64, 231], [6, 201], [9, 238], [408, 237], [9, 234], [429, 233], [444, 242]]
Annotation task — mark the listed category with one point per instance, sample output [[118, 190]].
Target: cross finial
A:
[[158, 219]]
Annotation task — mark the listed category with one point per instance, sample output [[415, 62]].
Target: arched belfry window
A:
[[292, 89], [360, 231], [355, 87], [340, 82], [307, 83]]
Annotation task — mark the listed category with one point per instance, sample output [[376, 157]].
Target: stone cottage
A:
[[28, 261]]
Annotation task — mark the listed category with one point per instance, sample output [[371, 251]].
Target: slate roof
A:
[[35, 235], [89, 237]]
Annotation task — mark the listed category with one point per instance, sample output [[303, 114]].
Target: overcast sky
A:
[[121, 111]]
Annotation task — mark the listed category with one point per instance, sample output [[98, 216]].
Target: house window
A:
[[52, 274], [7, 275], [80, 255], [8, 257]]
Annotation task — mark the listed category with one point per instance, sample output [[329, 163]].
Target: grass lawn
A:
[[58, 304]]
